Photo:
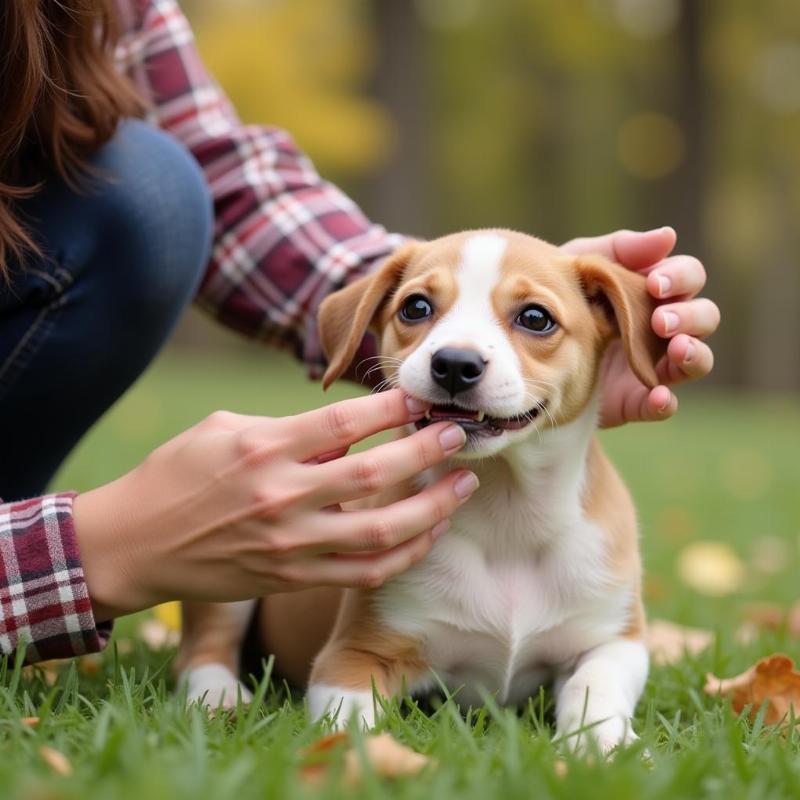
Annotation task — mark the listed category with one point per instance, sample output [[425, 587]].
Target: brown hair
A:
[[61, 98]]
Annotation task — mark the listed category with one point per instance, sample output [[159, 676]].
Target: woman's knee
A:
[[154, 220]]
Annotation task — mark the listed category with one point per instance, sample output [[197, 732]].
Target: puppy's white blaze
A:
[[479, 271], [343, 703], [472, 322]]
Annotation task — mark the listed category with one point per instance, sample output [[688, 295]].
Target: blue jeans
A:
[[121, 260]]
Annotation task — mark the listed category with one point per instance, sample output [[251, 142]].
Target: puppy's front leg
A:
[[342, 680], [600, 696], [208, 658]]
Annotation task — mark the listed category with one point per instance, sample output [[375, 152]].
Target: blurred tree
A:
[[301, 65], [398, 194]]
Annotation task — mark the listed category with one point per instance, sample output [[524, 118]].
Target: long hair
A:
[[60, 99]]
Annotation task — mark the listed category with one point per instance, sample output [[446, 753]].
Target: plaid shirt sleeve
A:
[[284, 238], [44, 603]]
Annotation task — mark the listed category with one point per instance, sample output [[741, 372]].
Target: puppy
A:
[[538, 579]]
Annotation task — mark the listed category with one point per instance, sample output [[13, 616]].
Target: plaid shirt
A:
[[283, 240]]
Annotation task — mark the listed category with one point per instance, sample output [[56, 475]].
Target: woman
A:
[[129, 187]]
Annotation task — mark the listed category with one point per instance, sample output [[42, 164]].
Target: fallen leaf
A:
[[773, 680], [384, 754], [668, 642], [169, 614], [771, 617], [48, 671], [560, 768], [156, 635], [29, 722], [774, 617], [56, 760], [90, 665], [711, 568]]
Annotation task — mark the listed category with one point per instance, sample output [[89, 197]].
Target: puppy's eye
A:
[[536, 319], [416, 308]]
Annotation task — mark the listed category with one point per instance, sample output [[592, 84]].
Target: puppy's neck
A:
[[531, 492]]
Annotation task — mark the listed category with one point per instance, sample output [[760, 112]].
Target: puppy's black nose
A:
[[456, 369]]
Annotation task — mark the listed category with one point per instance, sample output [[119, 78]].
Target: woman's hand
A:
[[238, 507], [682, 317]]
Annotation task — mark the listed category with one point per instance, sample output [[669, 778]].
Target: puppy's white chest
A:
[[505, 624]]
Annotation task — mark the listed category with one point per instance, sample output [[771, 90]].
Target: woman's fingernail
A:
[[671, 321], [440, 528], [452, 438], [415, 406], [664, 285], [691, 350], [466, 485]]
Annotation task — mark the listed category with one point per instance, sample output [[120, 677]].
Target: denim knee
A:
[[153, 222]]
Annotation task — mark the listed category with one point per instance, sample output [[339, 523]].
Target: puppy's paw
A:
[[341, 704], [214, 686], [612, 733], [604, 736]]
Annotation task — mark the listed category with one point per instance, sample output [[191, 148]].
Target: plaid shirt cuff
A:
[[44, 601]]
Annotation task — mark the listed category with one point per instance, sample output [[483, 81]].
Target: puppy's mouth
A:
[[478, 421]]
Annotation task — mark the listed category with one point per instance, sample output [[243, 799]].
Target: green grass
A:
[[727, 469]]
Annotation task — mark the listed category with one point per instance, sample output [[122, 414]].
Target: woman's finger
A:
[[637, 250], [687, 359], [339, 425], [362, 571], [386, 527], [364, 474], [677, 276], [694, 317]]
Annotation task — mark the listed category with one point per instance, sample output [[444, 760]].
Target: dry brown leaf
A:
[[769, 616], [711, 568], [773, 617], [387, 757], [773, 680], [56, 760], [90, 665], [668, 642], [29, 722]]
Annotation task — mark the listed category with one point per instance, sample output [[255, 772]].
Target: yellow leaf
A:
[[169, 614], [711, 568]]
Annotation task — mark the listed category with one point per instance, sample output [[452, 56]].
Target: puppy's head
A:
[[501, 332]]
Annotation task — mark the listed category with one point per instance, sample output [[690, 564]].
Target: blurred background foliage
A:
[[560, 119]]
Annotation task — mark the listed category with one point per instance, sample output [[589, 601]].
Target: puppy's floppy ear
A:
[[624, 309], [345, 316]]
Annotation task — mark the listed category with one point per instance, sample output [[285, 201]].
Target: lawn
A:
[[725, 471]]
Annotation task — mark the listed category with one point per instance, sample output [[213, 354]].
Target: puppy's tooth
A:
[[428, 414], [481, 416]]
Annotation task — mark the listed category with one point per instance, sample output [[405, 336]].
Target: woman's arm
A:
[[284, 237]]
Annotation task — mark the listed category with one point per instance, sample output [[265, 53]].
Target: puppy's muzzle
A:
[[457, 369]]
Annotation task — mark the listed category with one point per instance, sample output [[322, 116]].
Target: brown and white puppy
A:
[[538, 578]]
